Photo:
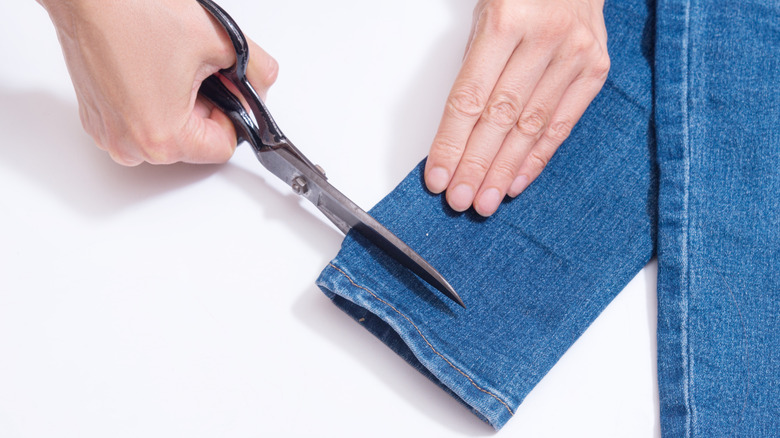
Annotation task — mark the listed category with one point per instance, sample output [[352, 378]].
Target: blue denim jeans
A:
[[679, 157]]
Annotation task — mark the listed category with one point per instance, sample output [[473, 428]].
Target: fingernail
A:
[[437, 180], [488, 202], [460, 197], [520, 183]]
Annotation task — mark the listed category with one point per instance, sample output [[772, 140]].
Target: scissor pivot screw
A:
[[299, 185]]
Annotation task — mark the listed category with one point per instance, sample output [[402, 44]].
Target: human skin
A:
[[531, 69], [136, 70]]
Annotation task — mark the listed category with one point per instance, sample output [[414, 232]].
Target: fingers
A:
[[506, 116], [503, 110], [525, 131], [211, 137], [481, 69], [206, 136], [211, 132], [137, 72], [572, 106], [262, 70], [124, 159]]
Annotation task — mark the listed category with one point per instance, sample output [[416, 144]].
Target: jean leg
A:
[[535, 274], [718, 113]]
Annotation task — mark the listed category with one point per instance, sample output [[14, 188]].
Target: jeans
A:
[[678, 157]]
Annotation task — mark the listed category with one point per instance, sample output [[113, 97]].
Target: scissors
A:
[[283, 159]]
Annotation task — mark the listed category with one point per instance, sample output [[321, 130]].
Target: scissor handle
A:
[[270, 136], [285, 161], [246, 129]]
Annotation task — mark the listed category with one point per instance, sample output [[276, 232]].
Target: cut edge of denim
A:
[[485, 403]]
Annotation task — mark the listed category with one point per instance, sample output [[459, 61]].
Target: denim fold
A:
[[534, 275], [678, 156]]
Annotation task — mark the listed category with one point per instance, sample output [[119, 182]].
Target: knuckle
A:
[[92, 129], [444, 146], [537, 161], [557, 24], [111, 143], [156, 146], [504, 170], [583, 45], [532, 123], [121, 157], [475, 165], [223, 52], [560, 131], [600, 69], [466, 100], [580, 44], [497, 18], [100, 144], [271, 72], [86, 122], [503, 111]]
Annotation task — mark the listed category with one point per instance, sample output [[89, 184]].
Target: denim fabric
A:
[[539, 271], [718, 112]]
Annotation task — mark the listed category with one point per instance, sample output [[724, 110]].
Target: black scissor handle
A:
[[269, 134], [240, 43], [246, 130], [285, 161]]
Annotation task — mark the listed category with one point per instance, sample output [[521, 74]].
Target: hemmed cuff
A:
[[409, 339]]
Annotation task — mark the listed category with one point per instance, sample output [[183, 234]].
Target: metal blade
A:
[[310, 183]]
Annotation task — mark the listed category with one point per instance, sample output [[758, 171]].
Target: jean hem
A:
[[419, 350]]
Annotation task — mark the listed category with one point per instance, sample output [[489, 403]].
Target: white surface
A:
[[179, 301]]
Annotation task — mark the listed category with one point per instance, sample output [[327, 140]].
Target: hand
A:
[[137, 68], [531, 69]]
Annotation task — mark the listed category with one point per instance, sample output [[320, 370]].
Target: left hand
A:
[[531, 69]]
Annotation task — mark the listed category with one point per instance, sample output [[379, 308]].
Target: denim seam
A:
[[685, 291], [424, 338]]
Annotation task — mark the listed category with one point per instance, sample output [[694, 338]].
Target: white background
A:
[[179, 301]]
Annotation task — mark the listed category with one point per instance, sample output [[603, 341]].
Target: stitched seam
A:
[[685, 289], [423, 337]]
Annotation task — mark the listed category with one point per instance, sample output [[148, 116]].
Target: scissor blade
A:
[[343, 210], [345, 214]]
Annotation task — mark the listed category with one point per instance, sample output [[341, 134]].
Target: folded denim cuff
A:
[[413, 341], [533, 276]]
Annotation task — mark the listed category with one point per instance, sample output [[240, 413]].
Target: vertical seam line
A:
[[685, 290]]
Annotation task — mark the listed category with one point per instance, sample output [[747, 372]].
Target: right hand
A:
[[531, 69], [137, 68]]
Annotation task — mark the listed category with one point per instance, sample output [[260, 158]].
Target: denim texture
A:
[[717, 114], [679, 153]]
